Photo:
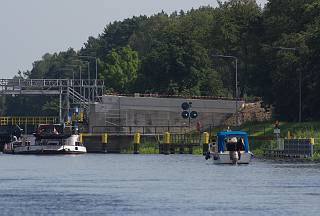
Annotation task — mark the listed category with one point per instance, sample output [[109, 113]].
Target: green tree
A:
[[121, 69]]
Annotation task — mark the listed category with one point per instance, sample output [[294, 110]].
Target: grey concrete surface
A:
[[151, 114]]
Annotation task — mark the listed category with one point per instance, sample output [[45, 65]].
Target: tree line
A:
[[277, 47]]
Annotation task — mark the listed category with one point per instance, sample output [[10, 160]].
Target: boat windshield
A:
[[237, 141], [234, 143]]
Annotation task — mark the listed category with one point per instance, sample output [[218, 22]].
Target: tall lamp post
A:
[[88, 65], [60, 95], [71, 66], [295, 49], [96, 60], [94, 91], [236, 64]]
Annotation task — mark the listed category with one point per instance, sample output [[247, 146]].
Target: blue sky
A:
[[32, 28]]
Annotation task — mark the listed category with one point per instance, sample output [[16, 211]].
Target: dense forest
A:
[[277, 48]]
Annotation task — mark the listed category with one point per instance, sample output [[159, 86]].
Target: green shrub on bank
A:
[[148, 150], [315, 157], [258, 152]]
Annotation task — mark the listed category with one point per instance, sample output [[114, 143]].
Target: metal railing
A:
[[27, 120], [292, 148], [156, 95], [143, 129], [50, 83], [79, 98], [75, 91]]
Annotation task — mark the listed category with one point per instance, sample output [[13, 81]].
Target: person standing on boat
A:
[[231, 146], [239, 147], [55, 131]]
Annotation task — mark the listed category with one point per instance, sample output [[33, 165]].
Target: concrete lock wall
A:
[[155, 115], [94, 144]]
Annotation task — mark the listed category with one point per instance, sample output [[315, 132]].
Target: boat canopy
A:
[[229, 134]]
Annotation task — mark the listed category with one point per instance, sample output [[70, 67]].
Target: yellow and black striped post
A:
[[205, 144], [104, 142], [136, 143]]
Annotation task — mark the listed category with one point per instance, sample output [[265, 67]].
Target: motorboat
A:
[[231, 147], [48, 139]]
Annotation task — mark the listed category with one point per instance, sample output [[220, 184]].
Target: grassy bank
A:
[[294, 129], [298, 130], [152, 147]]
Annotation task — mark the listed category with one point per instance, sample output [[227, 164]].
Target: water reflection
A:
[[100, 184]]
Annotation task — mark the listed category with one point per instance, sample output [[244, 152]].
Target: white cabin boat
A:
[[49, 139], [231, 147]]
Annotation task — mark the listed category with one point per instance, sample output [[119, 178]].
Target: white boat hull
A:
[[47, 150], [224, 158], [50, 150], [46, 146]]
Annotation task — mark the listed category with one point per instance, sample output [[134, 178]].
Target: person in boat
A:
[[239, 147], [231, 146], [55, 131], [14, 139], [213, 145]]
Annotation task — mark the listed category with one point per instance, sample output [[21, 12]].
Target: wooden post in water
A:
[[205, 144], [136, 143], [104, 142]]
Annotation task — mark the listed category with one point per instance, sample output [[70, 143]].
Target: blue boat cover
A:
[[229, 134]]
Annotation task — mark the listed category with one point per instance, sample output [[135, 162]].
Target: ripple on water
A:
[[98, 184]]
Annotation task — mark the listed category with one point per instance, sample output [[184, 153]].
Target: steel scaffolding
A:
[[81, 92]]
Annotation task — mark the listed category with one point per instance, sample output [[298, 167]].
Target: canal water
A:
[[104, 184]]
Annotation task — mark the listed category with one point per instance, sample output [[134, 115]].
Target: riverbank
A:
[[296, 129], [256, 131], [287, 129]]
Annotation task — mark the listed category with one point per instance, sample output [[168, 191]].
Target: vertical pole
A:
[[88, 70], [300, 94], [25, 128], [72, 85], [80, 90], [88, 80], [205, 143], [68, 102], [119, 115], [189, 110], [136, 143], [96, 68], [166, 144], [95, 92], [60, 105], [237, 120], [104, 143]]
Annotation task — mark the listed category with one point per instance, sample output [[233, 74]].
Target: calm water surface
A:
[[98, 184]]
